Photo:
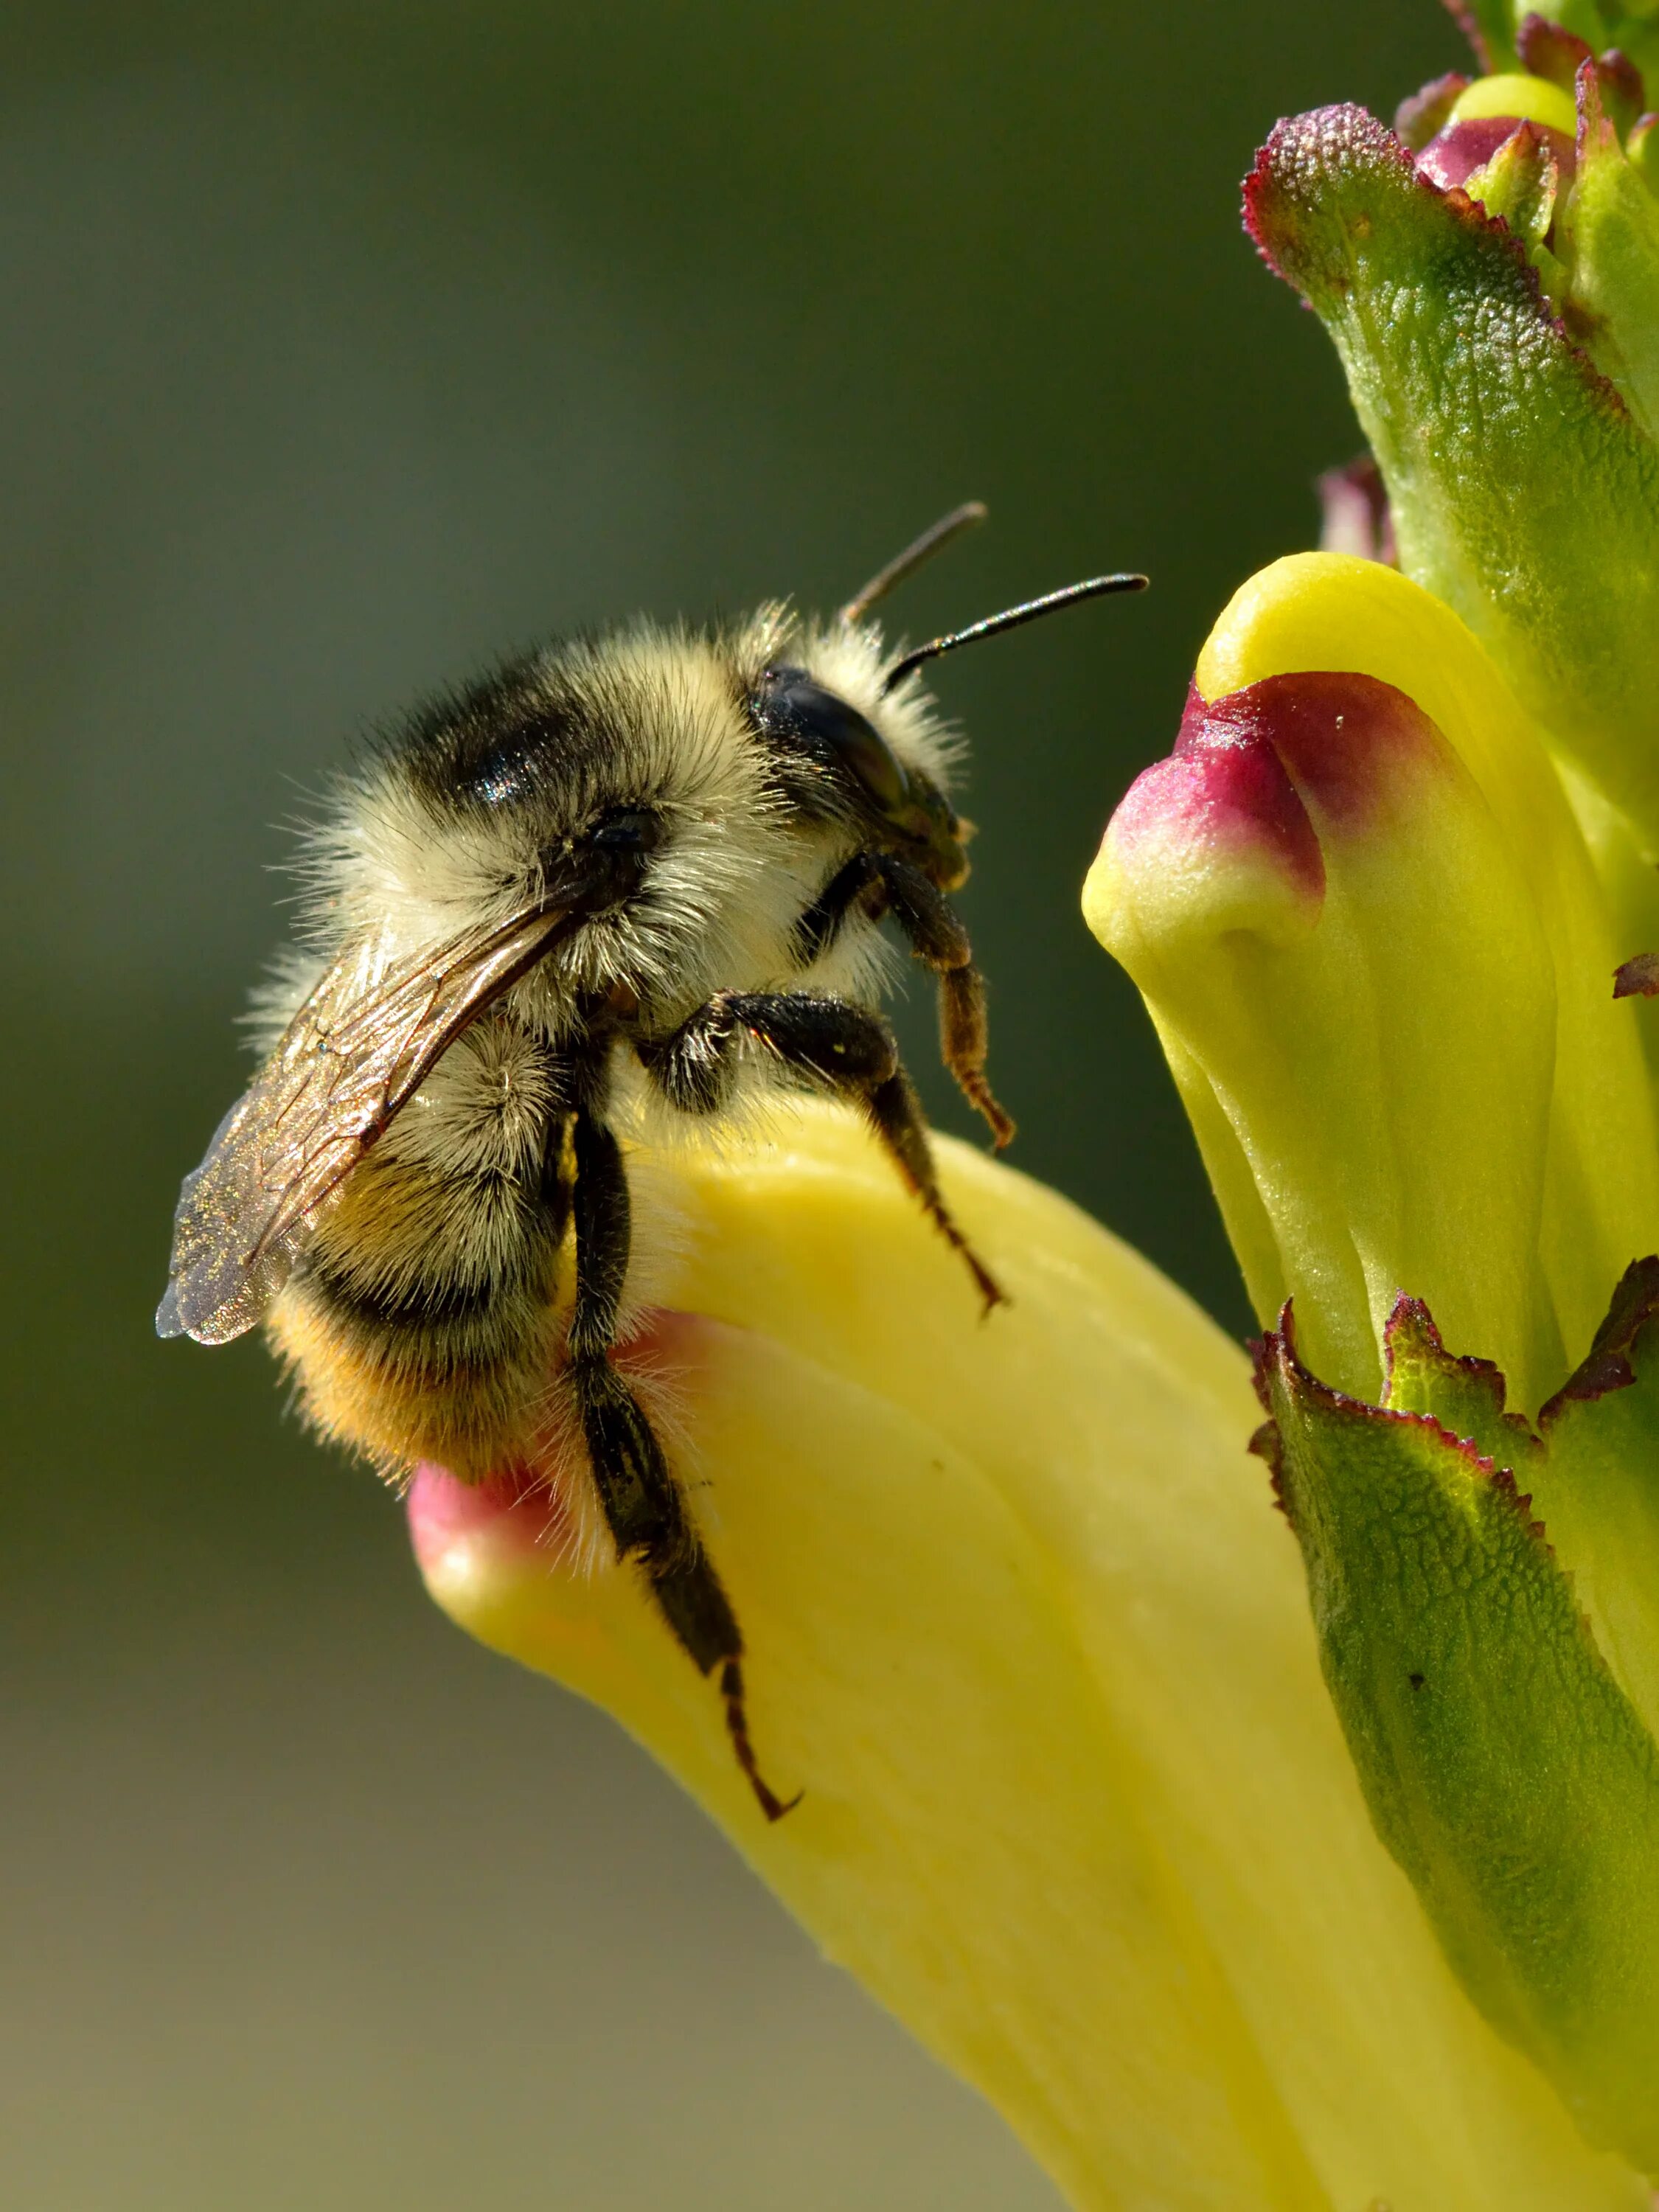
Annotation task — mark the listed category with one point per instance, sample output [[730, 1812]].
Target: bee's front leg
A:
[[935, 933], [640, 1500], [845, 1048], [881, 884]]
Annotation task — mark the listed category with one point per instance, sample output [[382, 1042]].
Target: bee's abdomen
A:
[[420, 1322]]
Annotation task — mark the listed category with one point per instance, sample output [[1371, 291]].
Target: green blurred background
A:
[[344, 345]]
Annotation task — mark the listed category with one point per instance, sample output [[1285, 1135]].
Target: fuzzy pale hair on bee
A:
[[609, 896]]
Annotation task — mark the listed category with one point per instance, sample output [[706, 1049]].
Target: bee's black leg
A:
[[845, 1048], [858, 884], [878, 884], [640, 1498]]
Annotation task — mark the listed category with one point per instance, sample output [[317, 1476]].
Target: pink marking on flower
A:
[[1356, 517], [1224, 789], [516, 1509], [1456, 153], [1343, 739], [1263, 771]]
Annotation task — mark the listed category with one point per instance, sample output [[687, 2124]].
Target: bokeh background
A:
[[344, 345]]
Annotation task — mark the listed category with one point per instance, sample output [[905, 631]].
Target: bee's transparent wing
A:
[[355, 1051]]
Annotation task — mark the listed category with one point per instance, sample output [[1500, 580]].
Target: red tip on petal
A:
[[1222, 791], [517, 1507], [1263, 774], [1343, 739]]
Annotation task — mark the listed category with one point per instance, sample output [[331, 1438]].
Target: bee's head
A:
[[852, 732], [836, 761]]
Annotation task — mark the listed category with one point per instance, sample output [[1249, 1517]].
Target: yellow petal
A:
[[1529, 97], [1024, 1628]]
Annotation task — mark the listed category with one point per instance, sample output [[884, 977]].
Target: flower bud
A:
[[1358, 881]]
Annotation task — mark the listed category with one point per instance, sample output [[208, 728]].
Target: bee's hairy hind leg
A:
[[640, 1500], [848, 1049]]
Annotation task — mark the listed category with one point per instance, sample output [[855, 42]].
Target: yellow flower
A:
[[1027, 1632]]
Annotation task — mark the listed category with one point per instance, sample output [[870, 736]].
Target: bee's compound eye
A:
[[627, 829], [790, 707]]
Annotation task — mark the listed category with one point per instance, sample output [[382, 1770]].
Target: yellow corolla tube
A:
[[1026, 1633]]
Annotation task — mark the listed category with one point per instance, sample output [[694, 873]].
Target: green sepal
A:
[[1504, 1764], [1596, 1483], [1609, 245], [1523, 490], [1521, 185], [1465, 1395]]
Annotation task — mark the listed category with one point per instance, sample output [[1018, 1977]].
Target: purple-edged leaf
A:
[[1504, 1764], [1624, 91], [1547, 49], [1422, 115], [1597, 1484], [1466, 1396]]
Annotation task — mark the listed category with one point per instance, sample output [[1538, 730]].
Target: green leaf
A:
[[1524, 491], [1505, 1766], [1609, 247], [1597, 1485]]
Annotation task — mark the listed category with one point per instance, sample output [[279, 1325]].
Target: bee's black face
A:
[[849, 760]]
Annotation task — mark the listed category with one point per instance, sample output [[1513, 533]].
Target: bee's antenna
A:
[[967, 516], [1094, 588]]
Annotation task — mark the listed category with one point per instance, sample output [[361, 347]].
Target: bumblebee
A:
[[640, 874]]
